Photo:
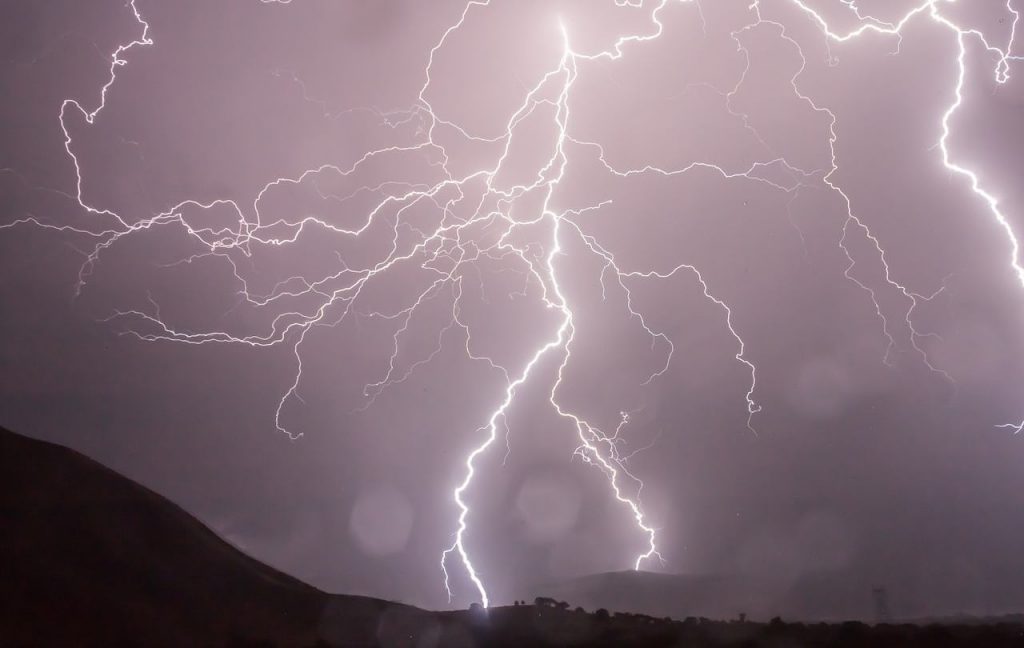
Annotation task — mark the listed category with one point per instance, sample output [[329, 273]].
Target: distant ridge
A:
[[88, 557], [836, 596]]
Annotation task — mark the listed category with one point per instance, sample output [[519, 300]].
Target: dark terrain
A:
[[89, 558]]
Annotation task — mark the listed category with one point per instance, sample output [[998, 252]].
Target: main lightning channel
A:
[[447, 251]]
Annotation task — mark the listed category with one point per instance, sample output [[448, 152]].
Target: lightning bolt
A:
[[450, 249], [1001, 74]]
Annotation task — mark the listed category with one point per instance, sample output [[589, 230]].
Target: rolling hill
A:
[[88, 557], [836, 596]]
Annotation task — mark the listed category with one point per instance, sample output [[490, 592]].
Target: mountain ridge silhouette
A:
[[90, 557]]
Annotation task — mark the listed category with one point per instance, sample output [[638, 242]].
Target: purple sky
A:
[[440, 253]]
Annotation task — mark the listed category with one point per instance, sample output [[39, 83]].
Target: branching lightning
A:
[[451, 250]]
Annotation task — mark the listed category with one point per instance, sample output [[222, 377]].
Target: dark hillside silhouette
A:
[[89, 558]]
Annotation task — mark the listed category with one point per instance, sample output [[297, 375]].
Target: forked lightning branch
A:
[[451, 247]]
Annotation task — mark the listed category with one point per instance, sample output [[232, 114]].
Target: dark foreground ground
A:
[[89, 558], [529, 626]]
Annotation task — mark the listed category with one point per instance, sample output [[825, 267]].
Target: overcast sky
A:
[[875, 451]]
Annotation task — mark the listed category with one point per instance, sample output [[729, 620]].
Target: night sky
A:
[[314, 246]]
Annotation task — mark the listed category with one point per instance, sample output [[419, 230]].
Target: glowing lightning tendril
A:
[[450, 249]]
